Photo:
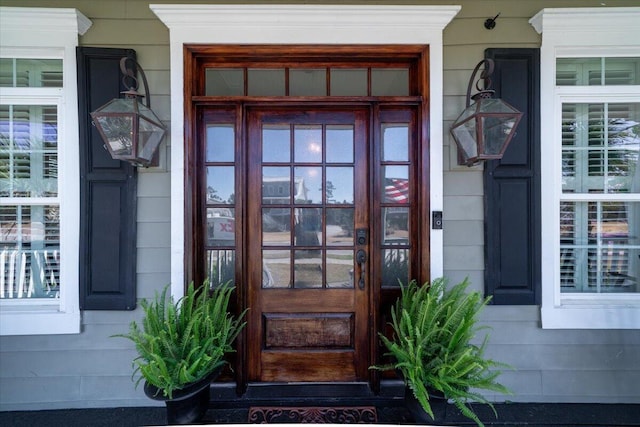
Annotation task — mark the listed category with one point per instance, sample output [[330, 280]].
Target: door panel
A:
[[308, 193]]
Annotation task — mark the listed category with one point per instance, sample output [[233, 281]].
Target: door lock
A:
[[361, 236]]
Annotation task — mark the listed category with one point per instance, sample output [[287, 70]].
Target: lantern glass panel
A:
[[149, 137], [117, 130], [465, 135], [495, 131], [491, 105], [119, 105]]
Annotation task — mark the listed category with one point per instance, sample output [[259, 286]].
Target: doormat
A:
[[319, 415]]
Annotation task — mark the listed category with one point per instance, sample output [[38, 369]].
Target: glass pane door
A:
[[308, 294]]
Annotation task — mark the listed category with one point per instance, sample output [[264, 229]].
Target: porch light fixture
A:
[[485, 128], [131, 130]]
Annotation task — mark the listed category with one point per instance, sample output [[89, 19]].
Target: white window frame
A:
[[579, 32], [49, 33], [302, 24]]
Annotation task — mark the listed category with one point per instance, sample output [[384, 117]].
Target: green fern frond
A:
[[433, 326], [181, 342]]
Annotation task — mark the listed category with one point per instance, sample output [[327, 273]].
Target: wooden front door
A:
[[308, 213], [308, 188]]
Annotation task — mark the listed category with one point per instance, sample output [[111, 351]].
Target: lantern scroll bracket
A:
[[487, 125]]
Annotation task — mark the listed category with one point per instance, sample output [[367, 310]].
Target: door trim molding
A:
[[303, 24]]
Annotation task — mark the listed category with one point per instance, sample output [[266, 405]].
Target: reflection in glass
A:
[[221, 227], [307, 143], [30, 251], [395, 142], [339, 143], [307, 269], [28, 151], [604, 155], [276, 268], [389, 82], [572, 71], [276, 226], [348, 82], [395, 267], [21, 72], [588, 71], [339, 185], [265, 82], [610, 269], [340, 269], [395, 184], [224, 82], [395, 225], [220, 143], [308, 185], [600, 247], [220, 184], [220, 266], [340, 226], [275, 143], [308, 227], [276, 185], [307, 82]]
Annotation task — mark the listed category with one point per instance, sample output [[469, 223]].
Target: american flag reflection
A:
[[396, 190]]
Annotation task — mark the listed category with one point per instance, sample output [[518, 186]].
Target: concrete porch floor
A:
[[390, 412]]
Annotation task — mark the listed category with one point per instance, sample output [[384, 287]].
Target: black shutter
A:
[[512, 186], [107, 193]]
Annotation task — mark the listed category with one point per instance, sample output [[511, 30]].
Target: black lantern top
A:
[[131, 130], [485, 128]]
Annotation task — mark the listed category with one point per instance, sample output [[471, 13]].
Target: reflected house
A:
[[277, 191], [220, 226], [615, 260]]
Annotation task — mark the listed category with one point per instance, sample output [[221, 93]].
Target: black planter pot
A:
[[438, 405], [188, 405]]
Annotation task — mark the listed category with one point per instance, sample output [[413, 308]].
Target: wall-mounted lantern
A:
[[485, 128], [131, 130]]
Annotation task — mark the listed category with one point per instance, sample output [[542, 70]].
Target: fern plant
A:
[[433, 327], [182, 342]]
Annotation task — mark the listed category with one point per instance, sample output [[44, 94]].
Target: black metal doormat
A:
[[334, 415]]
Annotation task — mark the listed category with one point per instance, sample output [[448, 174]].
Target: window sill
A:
[[38, 320], [591, 316]]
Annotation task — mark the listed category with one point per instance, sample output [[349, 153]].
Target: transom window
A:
[[597, 71], [312, 80]]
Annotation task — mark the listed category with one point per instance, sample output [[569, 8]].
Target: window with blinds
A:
[[600, 199], [30, 72], [29, 204]]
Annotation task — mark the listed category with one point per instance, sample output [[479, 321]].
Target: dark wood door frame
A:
[[198, 57]]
